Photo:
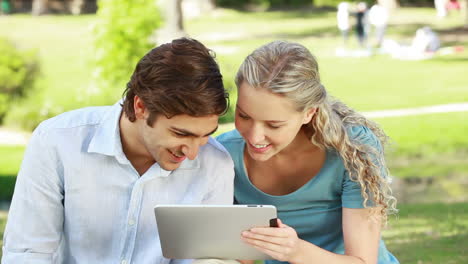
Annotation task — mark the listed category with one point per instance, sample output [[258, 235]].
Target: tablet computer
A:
[[210, 231]]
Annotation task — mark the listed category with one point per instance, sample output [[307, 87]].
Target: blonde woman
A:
[[318, 161]]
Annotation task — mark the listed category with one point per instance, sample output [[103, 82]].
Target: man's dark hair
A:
[[181, 77]]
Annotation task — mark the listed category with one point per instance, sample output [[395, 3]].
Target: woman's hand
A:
[[281, 243]]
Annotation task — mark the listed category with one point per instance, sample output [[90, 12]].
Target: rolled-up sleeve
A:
[[35, 221]]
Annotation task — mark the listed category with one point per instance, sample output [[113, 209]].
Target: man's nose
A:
[[191, 149]]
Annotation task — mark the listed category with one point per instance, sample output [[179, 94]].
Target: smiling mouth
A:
[[260, 148], [259, 145], [177, 157]]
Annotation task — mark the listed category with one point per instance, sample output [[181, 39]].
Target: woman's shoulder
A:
[[363, 135], [231, 140]]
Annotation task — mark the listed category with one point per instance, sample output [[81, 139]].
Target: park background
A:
[[57, 56]]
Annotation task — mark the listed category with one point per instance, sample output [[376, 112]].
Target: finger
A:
[[270, 231], [281, 224], [264, 244], [270, 239]]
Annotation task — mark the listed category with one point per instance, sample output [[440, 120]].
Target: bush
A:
[[122, 38], [18, 72]]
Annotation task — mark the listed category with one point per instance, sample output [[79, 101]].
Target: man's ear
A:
[[308, 114], [140, 108]]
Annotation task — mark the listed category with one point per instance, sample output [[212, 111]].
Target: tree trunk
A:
[[40, 7], [76, 7], [174, 17], [171, 11], [466, 13], [196, 8]]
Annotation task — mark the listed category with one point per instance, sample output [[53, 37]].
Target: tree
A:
[[76, 7], [466, 13], [122, 38], [173, 21], [40, 7]]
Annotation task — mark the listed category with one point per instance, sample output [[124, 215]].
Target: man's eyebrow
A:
[[189, 133]]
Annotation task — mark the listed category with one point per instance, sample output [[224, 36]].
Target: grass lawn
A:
[[9, 166], [379, 82], [427, 145], [422, 233], [2, 228], [429, 233]]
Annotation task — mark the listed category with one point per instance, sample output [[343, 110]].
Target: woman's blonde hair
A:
[[289, 69]]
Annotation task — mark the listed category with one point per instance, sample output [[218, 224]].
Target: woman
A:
[[318, 161]]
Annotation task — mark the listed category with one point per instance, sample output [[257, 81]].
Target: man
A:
[[91, 177]]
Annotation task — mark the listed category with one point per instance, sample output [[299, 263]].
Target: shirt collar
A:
[[106, 139]]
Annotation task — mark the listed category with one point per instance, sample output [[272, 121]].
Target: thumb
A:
[[281, 224]]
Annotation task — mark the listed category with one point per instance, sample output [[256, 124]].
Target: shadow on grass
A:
[[405, 29], [282, 13], [449, 59], [327, 31], [7, 186]]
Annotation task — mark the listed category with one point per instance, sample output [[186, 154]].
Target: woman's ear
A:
[[139, 107], [308, 114]]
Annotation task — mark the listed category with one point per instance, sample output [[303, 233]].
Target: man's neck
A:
[[132, 145]]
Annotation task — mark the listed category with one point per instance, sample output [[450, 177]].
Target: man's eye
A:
[[179, 134]]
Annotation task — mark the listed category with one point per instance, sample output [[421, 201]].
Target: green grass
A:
[[427, 145], [2, 228], [9, 167], [379, 82], [64, 45], [11, 159], [366, 84], [429, 233]]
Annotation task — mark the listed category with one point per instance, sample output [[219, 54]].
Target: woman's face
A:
[[268, 122]]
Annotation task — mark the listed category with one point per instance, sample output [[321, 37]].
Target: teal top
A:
[[315, 209]]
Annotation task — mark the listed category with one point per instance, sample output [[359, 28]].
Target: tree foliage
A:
[[122, 37], [18, 71]]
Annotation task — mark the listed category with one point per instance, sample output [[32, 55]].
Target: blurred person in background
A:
[[441, 8], [342, 17], [362, 24], [378, 19]]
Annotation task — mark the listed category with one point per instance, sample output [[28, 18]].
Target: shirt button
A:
[[123, 262], [130, 222]]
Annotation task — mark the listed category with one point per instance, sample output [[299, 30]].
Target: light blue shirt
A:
[[315, 209], [78, 199]]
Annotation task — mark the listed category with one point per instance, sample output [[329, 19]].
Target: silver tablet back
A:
[[210, 231]]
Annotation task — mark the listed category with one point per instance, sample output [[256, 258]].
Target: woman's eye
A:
[[273, 126], [243, 116]]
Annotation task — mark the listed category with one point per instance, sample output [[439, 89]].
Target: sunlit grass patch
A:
[[429, 233]]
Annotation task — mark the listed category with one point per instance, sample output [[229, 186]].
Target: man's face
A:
[[171, 140]]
